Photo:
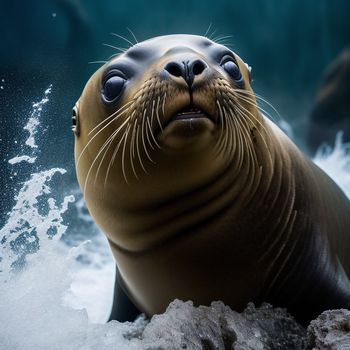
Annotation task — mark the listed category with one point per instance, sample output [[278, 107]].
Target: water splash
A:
[[29, 227], [32, 127], [27, 230]]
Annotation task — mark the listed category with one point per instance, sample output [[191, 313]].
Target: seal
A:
[[201, 196]]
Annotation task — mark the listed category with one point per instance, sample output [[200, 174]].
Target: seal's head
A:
[[157, 122]]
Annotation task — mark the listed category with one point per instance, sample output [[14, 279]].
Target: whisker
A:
[[157, 115], [230, 116], [115, 55], [228, 120], [208, 29], [240, 141], [151, 122], [252, 102], [231, 132], [152, 135], [111, 116], [261, 136], [138, 149], [132, 150], [133, 35], [108, 142], [121, 49], [260, 98], [97, 62], [163, 105], [245, 110], [221, 39], [244, 121], [123, 38], [123, 153], [246, 130], [111, 162], [92, 165], [147, 130], [93, 137], [242, 110], [212, 34], [224, 43], [221, 138], [143, 140], [251, 114], [133, 136], [269, 104], [229, 129], [221, 122], [250, 158]]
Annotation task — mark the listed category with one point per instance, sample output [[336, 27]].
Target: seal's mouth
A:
[[186, 126], [189, 112]]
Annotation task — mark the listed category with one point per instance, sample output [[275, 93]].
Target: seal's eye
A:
[[232, 69], [113, 87], [75, 119]]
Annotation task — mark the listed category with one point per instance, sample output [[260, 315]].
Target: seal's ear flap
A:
[[75, 119], [249, 71]]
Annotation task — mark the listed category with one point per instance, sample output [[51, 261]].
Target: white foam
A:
[[33, 316], [32, 128], [19, 159], [93, 282], [25, 218], [33, 121]]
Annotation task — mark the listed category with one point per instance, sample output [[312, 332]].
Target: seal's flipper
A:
[[123, 308]]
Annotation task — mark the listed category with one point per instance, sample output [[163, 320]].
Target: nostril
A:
[[174, 69], [198, 67]]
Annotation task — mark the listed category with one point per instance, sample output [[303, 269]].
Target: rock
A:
[[217, 327], [184, 326], [330, 330]]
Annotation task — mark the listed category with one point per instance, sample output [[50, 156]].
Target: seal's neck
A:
[[154, 222]]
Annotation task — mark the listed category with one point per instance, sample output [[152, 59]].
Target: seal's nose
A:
[[187, 69]]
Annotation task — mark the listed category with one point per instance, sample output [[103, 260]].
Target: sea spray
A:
[[27, 229], [32, 128]]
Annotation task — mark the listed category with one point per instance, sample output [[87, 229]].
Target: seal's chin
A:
[[191, 126]]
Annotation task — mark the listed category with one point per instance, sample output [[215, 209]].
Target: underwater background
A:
[[47, 53]]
